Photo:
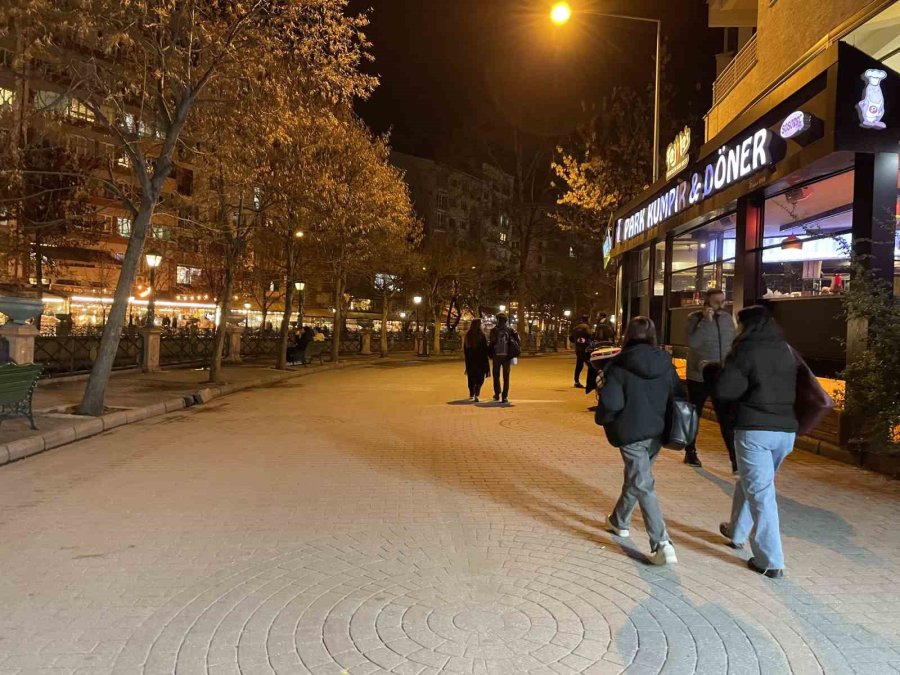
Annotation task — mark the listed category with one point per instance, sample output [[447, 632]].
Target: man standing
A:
[[710, 334], [503, 347], [581, 338]]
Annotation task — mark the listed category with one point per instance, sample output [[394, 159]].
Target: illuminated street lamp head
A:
[[153, 260], [299, 234], [247, 306], [567, 313], [402, 315], [417, 299], [299, 285], [502, 308], [561, 13]]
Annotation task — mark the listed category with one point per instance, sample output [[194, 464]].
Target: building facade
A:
[[798, 170]]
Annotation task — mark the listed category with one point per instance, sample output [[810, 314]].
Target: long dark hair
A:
[[474, 333], [640, 331], [757, 319]]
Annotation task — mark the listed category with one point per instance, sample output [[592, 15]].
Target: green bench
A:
[[313, 350], [17, 383]]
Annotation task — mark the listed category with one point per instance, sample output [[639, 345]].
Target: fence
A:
[[259, 345], [186, 348], [76, 353]]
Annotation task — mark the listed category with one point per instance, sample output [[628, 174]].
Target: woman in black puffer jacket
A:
[[632, 409], [760, 377]]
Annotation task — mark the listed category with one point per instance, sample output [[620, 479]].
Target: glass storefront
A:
[[703, 258]]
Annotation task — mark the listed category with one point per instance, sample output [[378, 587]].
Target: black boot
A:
[[690, 457]]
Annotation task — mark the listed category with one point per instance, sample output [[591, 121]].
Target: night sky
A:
[[457, 72]]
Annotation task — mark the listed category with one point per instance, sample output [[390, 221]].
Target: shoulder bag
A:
[[812, 403]]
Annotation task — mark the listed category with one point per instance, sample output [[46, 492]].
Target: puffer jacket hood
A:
[[645, 361]]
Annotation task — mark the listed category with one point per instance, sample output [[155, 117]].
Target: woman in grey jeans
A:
[[632, 409]]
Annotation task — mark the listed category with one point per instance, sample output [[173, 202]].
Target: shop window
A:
[[79, 110], [703, 258], [187, 276], [659, 273], [806, 240]]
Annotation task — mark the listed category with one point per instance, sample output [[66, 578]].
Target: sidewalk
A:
[[133, 396]]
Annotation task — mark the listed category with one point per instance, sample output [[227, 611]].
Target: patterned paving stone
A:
[[354, 522]]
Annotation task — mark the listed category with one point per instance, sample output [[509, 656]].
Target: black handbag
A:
[[682, 424]]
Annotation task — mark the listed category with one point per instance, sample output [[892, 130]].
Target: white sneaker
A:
[[664, 555], [619, 532]]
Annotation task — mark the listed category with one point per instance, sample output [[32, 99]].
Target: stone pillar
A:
[[233, 335], [20, 338], [150, 353], [366, 342]]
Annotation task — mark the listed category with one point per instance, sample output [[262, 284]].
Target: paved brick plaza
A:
[[363, 521]]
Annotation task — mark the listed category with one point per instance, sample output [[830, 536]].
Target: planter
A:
[[235, 318], [20, 310]]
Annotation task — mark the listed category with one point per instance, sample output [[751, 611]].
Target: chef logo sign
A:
[[730, 164], [678, 153]]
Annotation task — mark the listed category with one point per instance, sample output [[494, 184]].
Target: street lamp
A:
[[417, 300], [300, 286], [153, 262], [502, 308], [561, 13], [567, 313], [247, 315]]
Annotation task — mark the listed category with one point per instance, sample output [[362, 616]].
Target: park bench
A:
[[314, 350], [17, 383]]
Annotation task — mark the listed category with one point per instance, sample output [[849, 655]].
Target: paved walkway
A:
[[365, 521]]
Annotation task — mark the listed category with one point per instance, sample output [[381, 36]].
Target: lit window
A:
[[257, 197], [7, 97], [187, 276], [78, 110], [571, 251], [123, 226], [159, 232], [503, 237], [123, 160]]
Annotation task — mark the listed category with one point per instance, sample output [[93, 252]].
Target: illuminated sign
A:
[[678, 153], [871, 108], [795, 124], [607, 247], [730, 164]]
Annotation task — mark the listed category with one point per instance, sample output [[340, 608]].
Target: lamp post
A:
[[561, 13], [246, 315], [300, 286], [153, 262], [502, 308], [417, 300]]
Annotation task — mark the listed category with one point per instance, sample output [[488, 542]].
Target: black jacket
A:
[[634, 399], [581, 337], [477, 362], [513, 337], [605, 333], [760, 376]]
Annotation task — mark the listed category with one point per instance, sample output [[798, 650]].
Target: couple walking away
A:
[[758, 379], [503, 348]]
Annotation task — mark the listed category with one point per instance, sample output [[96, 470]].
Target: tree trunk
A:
[[215, 366], [338, 317], [385, 312], [39, 275], [281, 362], [95, 392], [437, 331]]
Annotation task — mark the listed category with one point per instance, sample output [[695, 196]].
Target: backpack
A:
[[507, 345]]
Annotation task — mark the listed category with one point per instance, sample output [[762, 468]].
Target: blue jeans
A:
[[754, 511]]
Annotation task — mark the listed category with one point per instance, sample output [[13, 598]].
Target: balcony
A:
[[735, 71]]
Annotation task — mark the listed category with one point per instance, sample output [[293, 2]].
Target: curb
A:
[[93, 426]]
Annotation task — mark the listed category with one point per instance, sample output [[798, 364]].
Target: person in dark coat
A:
[[760, 377], [503, 347], [581, 338], [478, 366], [303, 339], [632, 409]]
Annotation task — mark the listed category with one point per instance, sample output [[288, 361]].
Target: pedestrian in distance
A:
[[605, 333], [478, 367], [710, 336], [633, 400], [604, 338], [503, 347], [760, 377], [581, 337]]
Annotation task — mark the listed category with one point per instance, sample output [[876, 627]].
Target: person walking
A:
[[503, 347], [605, 333], [760, 377], [478, 367], [633, 400], [710, 336], [581, 338]]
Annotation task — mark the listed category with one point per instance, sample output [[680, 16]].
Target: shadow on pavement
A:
[[462, 401]]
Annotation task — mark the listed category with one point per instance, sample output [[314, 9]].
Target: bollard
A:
[[20, 338], [150, 349]]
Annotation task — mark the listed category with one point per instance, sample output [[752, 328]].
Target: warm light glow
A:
[[418, 299], [247, 305], [159, 303], [561, 13], [153, 260], [567, 313], [299, 234], [502, 308], [299, 285], [402, 315]]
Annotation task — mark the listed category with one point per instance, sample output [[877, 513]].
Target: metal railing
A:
[[259, 345], [180, 348], [735, 71], [77, 353]]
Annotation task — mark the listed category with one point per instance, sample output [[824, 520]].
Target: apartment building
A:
[[798, 168]]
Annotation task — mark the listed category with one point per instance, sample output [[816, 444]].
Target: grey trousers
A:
[[640, 488]]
